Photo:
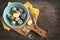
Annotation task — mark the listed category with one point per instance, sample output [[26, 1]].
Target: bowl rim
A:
[[22, 24]]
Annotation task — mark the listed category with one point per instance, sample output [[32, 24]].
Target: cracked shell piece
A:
[[24, 29], [29, 22]]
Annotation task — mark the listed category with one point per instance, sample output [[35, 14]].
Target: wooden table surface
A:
[[48, 20]]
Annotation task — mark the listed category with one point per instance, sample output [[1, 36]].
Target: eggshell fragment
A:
[[27, 30], [24, 29], [29, 22]]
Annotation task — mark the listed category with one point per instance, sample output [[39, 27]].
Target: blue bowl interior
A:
[[8, 10]]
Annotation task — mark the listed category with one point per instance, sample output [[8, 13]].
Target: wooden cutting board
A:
[[38, 30]]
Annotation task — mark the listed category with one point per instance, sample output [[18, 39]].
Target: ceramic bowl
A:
[[8, 9]]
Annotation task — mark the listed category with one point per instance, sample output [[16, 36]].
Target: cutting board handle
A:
[[40, 31]]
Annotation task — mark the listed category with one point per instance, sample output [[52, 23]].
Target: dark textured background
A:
[[48, 20]]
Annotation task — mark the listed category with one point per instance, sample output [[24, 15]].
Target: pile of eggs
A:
[[16, 16]]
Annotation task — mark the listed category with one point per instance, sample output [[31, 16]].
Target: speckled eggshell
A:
[[13, 22], [20, 21], [23, 16]]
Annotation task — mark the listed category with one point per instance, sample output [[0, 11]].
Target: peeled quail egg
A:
[[20, 21], [23, 16], [21, 10], [17, 19], [13, 22], [14, 9], [29, 22], [15, 14]]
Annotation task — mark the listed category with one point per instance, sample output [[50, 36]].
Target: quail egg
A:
[[16, 16], [12, 18], [14, 9], [23, 16], [21, 10], [16, 19], [9, 15], [20, 21], [13, 22], [19, 13]]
